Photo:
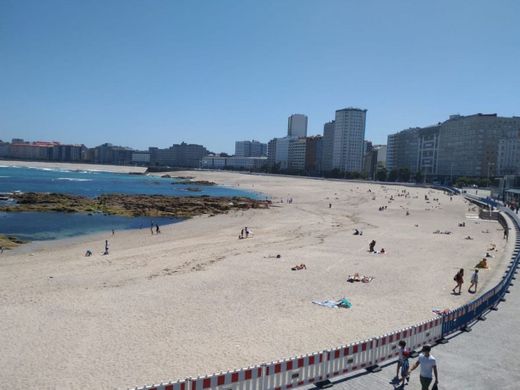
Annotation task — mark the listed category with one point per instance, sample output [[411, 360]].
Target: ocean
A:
[[48, 226]]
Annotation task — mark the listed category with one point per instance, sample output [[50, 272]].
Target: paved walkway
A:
[[486, 358]]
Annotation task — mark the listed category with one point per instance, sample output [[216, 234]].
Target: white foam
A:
[[72, 179]]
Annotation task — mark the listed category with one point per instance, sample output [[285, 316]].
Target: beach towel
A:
[[331, 304], [343, 302]]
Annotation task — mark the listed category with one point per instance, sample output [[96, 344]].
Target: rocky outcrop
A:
[[195, 182], [132, 205]]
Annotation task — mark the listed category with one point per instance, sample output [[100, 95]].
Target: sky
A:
[[155, 73]]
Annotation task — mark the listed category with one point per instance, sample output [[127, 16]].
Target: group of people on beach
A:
[[245, 233], [459, 279]]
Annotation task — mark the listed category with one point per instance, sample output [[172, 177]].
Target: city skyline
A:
[[139, 75]]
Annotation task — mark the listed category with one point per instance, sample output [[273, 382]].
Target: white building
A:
[[217, 162], [297, 152], [349, 137], [297, 125]]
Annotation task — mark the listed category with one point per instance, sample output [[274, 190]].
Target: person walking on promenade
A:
[[459, 278], [428, 364], [400, 360], [474, 282]]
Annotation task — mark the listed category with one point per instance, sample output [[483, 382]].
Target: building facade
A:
[[297, 125], [403, 150], [313, 155], [250, 149], [296, 157], [235, 162], [327, 146], [349, 136], [180, 155], [478, 145]]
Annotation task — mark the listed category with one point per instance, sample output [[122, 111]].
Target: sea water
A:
[[49, 225], [94, 183]]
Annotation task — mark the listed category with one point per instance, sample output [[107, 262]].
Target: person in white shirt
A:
[[428, 364], [474, 282]]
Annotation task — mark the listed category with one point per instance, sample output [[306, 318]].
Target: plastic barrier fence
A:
[[312, 368], [295, 372], [250, 378], [179, 385], [387, 346]]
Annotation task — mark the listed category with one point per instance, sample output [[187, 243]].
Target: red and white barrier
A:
[[250, 378], [299, 371], [387, 346], [179, 385], [426, 333], [347, 359]]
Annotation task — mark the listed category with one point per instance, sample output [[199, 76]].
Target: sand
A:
[[196, 299]]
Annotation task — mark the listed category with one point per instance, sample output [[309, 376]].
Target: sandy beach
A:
[[196, 299]]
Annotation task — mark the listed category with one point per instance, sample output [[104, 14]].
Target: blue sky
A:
[[154, 73]]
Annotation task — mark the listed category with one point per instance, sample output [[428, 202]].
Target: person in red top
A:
[[459, 278]]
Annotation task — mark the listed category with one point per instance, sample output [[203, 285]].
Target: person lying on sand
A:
[[88, 253], [468, 238], [354, 278], [299, 267], [441, 312], [367, 279], [482, 264]]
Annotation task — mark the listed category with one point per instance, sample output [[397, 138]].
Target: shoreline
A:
[[196, 300]]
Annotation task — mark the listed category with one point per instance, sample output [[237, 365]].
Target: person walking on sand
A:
[[106, 247], [151, 228], [371, 246], [428, 364], [157, 230], [459, 278], [474, 282]]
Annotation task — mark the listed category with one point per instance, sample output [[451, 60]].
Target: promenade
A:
[[484, 358]]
